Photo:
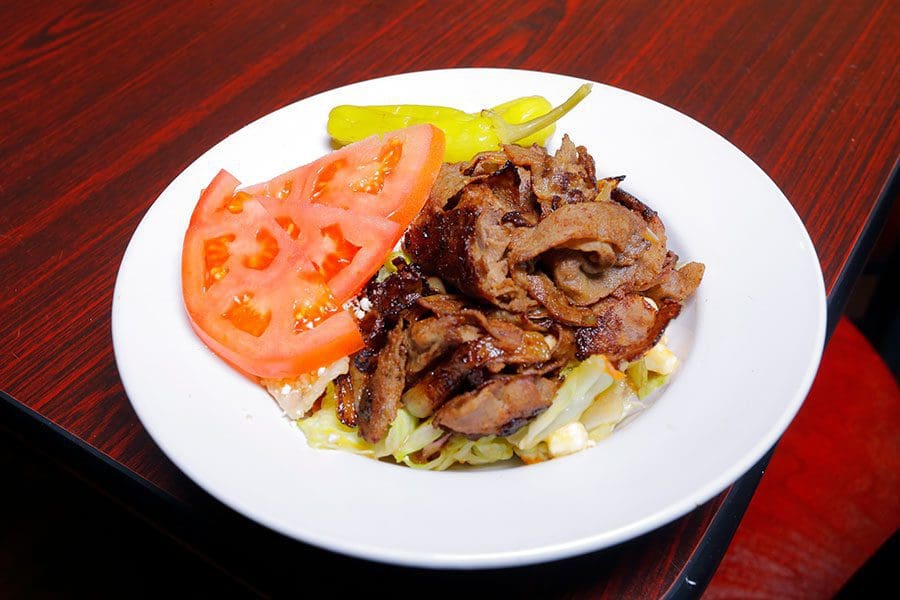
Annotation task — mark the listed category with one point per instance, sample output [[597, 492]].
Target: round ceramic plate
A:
[[750, 342]]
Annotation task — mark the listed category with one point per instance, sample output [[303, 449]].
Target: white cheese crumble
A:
[[568, 439], [358, 306], [660, 359]]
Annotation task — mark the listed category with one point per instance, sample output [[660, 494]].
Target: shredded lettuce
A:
[[582, 384], [608, 407], [459, 449], [406, 436], [592, 392], [643, 380], [323, 429], [539, 453]]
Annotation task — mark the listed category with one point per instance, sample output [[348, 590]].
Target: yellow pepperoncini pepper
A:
[[525, 121]]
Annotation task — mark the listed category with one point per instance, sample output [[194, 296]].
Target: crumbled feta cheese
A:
[[568, 439], [660, 359], [365, 304]]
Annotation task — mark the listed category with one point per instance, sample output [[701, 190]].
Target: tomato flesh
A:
[[346, 248]]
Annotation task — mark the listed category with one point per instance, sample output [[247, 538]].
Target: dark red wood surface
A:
[[103, 103], [831, 494]]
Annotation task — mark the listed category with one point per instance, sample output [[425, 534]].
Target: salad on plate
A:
[[442, 289]]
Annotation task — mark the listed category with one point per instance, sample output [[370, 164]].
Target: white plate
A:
[[750, 341]]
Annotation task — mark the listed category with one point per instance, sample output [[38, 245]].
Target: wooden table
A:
[[103, 104]]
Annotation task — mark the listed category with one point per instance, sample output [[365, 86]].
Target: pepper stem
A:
[[509, 133]]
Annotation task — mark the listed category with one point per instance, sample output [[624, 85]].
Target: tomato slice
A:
[[265, 269], [349, 208], [386, 176], [252, 293]]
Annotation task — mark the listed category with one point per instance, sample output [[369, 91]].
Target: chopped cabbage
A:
[[601, 432], [593, 393], [608, 407], [323, 429], [643, 379], [653, 383], [582, 384], [406, 436], [459, 449], [637, 373], [401, 428], [539, 453]]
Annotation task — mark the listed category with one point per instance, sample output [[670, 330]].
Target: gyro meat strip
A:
[[348, 390], [677, 285], [611, 234], [626, 328], [568, 177], [443, 305], [466, 244], [381, 396], [499, 407], [430, 338], [435, 387], [562, 352], [346, 406], [389, 298]]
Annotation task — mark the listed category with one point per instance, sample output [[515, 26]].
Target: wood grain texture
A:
[[831, 494], [103, 103]]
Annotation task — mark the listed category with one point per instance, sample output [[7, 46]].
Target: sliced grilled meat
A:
[[599, 242], [432, 337], [677, 285], [626, 328], [381, 396], [568, 177], [443, 305], [346, 404], [545, 265], [466, 362], [466, 245], [348, 394], [389, 298], [499, 407]]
